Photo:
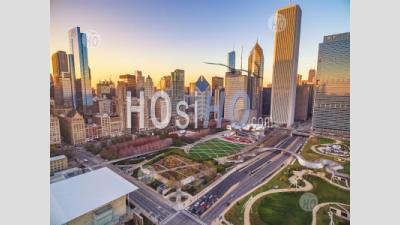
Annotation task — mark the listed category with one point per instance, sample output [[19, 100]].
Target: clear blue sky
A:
[[158, 36]]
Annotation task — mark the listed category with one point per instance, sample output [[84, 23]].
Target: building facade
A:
[[286, 53], [235, 84], [312, 76], [178, 88], [72, 128], [203, 91], [302, 102], [55, 134], [64, 92], [231, 61], [255, 78], [80, 69], [58, 163], [266, 105], [332, 95]]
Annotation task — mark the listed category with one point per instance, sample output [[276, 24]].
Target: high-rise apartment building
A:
[[73, 128], [332, 96], [231, 61], [286, 53], [55, 134], [80, 69], [64, 92], [203, 91], [255, 78], [177, 87], [235, 84]]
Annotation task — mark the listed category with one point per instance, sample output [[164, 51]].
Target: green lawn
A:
[[214, 148], [235, 214], [284, 208]]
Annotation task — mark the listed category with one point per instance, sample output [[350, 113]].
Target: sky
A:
[[159, 36]]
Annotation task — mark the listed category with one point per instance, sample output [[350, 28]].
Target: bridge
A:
[[329, 165]]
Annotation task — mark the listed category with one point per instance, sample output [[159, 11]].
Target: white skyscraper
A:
[[286, 52], [203, 90]]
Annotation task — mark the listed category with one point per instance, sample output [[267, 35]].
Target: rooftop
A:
[[81, 194], [59, 157]]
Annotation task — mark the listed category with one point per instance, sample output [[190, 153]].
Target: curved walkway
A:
[[249, 204], [308, 187], [319, 206]]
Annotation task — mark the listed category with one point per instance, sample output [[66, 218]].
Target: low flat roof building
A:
[[58, 163], [96, 197]]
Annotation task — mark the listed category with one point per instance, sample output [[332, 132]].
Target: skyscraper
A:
[[255, 78], [130, 81], [63, 89], [235, 83], [266, 103], [203, 91], [177, 86], [302, 102], [139, 82], [81, 70], [311, 76], [231, 61], [299, 79], [332, 96], [286, 52], [216, 82]]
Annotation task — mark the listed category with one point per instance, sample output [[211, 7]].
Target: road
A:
[[153, 205], [242, 182]]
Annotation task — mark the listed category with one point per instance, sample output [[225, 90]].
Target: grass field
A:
[[214, 148], [284, 208]]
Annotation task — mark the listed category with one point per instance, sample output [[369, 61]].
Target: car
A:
[[85, 160]]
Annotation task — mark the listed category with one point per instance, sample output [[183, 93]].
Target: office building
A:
[[72, 126], [63, 80], [286, 53], [96, 197], [302, 102], [139, 82], [122, 88], [203, 91], [235, 84], [105, 88], [177, 87], [231, 61], [266, 105], [299, 79], [215, 83], [55, 134], [58, 163], [312, 76], [80, 70], [331, 114], [255, 78], [104, 121], [219, 100], [130, 81]]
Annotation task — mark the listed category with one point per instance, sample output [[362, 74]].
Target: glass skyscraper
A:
[[81, 70], [332, 96], [231, 61]]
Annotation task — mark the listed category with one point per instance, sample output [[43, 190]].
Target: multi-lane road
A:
[[242, 182]]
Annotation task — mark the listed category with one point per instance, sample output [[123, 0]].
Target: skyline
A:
[[209, 34]]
